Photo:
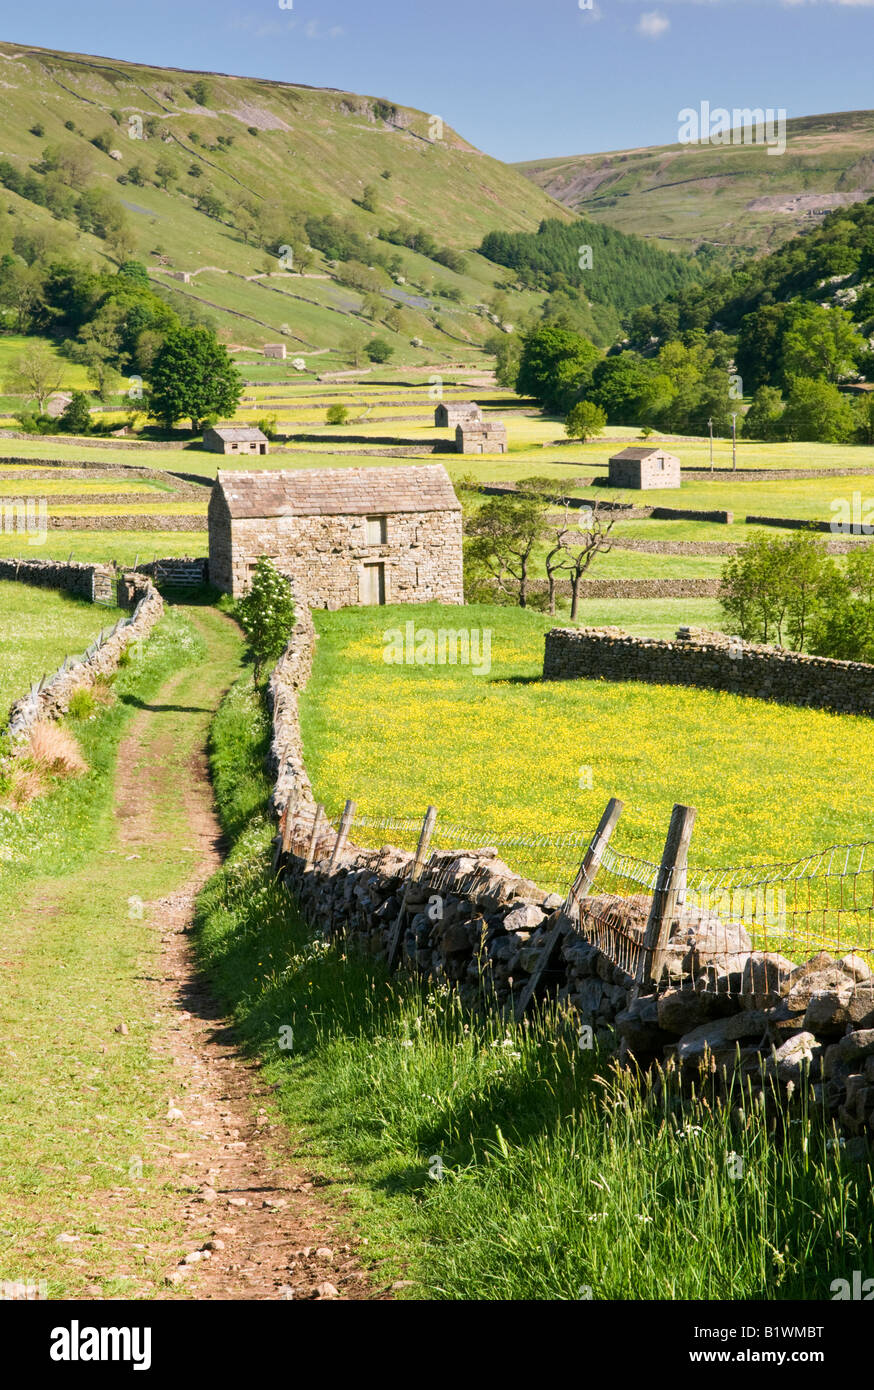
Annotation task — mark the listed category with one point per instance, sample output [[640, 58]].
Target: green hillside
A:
[[735, 196], [211, 175]]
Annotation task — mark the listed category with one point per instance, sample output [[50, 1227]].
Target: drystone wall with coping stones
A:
[[713, 661], [477, 925], [51, 700]]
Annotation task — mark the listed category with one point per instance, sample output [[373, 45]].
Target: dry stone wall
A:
[[475, 923], [713, 661], [51, 699]]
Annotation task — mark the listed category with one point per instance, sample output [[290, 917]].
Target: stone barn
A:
[[347, 536], [448, 415], [476, 437], [234, 439], [644, 467], [277, 350]]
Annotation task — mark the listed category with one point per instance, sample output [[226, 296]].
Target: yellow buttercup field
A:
[[504, 752]]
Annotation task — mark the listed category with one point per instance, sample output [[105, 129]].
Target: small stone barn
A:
[[477, 437], [644, 468], [448, 415], [276, 350], [347, 536], [234, 439]]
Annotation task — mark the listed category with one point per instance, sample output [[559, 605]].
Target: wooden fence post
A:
[[416, 868], [579, 889], [343, 832], [286, 827], [317, 825], [670, 889]]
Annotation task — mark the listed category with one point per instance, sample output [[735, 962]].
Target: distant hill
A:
[[251, 158], [735, 196]]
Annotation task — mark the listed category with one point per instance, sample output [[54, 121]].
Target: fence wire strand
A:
[[823, 901]]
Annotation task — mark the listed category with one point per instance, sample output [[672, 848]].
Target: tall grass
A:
[[485, 1159]]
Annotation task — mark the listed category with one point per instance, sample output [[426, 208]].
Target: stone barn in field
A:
[[477, 437], [347, 536], [234, 439], [449, 414], [644, 467], [277, 350]]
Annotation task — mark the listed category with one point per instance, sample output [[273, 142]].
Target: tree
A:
[[76, 419], [583, 537], [22, 289], [193, 377], [774, 583], [166, 172], [200, 92], [369, 198], [821, 342], [620, 385], [816, 410], [266, 614], [378, 350], [584, 420], [337, 414], [764, 418], [554, 365], [502, 537], [843, 626], [36, 374]]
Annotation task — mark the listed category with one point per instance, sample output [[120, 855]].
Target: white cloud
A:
[[315, 30], [652, 24]]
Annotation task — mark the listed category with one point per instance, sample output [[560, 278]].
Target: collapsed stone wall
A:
[[713, 661], [475, 923], [51, 699]]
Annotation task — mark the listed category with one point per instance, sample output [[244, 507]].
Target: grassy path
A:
[[134, 1131]]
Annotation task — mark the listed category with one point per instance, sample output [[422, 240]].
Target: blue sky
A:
[[520, 79]]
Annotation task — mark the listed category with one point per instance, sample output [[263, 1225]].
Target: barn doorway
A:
[[374, 585]]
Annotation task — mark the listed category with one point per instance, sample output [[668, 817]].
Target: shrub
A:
[[53, 751], [337, 415], [82, 704], [379, 350]]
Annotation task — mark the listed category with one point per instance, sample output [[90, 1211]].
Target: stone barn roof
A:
[[337, 491], [639, 452], [238, 434]]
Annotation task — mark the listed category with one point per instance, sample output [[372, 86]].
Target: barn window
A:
[[377, 533]]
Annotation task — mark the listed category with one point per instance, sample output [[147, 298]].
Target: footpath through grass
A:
[[85, 1200], [486, 1160]]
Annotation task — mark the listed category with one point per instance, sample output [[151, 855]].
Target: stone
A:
[[797, 1057], [524, 918], [327, 1290], [455, 939], [857, 968], [811, 978], [764, 978], [831, 1011], [680, 1010], [721, 1035], [638, 1027]]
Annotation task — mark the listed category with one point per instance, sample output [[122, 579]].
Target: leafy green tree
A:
[[822, 343], [76, 419], [764, 418], [621, 386], [266, 614], [166, 172], [843, 627], [337, 414], [36, 374], [584, 420], [553, 364], [776, 584], [193, 376], [378, 350], [816, 410], [501, 538]]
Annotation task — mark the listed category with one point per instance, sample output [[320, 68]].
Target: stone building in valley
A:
[[234, 439], [451, 413], [278, 350], [477, 437], [644, 467], [347, 536]]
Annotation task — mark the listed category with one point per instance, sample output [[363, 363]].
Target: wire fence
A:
[[714, 916]]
